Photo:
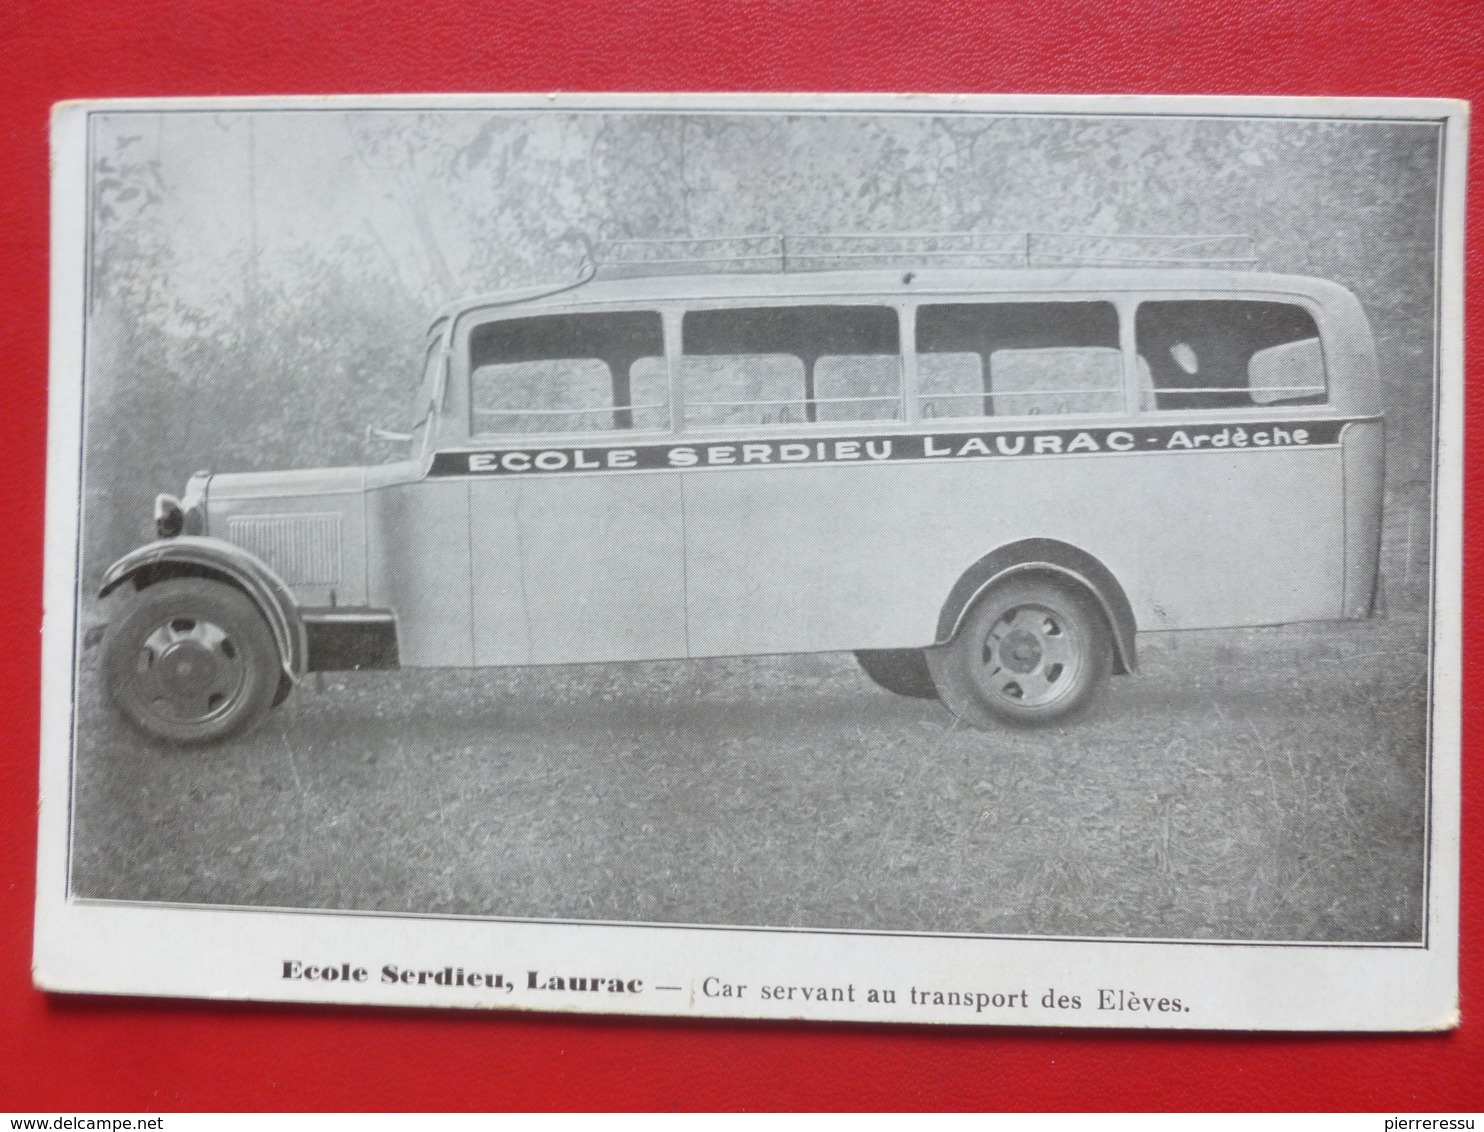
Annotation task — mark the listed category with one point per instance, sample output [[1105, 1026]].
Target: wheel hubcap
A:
[[1031, 657], [1020, 651], [187, 670]]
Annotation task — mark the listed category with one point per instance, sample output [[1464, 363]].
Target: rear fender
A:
[[212, 557], [1047, 556]]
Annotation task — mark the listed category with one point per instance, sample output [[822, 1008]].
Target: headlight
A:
[[193, 502], [169, 516]]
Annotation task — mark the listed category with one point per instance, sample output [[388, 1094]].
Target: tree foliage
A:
[[260, 282]]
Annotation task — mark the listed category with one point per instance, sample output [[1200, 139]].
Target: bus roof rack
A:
[[620, 259]]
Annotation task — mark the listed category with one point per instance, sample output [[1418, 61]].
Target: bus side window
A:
[[950, 385], [1292, 371], [1018, 359], [1229, 353], [742, 389], [1080, 379], [790, 365], [569, 373], [858, 387], [649, 392]]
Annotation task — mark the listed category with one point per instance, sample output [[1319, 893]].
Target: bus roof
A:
[[877, 282]]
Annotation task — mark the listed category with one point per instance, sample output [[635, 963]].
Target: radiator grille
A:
[[303, 550]]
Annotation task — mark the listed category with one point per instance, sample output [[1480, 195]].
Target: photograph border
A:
[[63, 967]]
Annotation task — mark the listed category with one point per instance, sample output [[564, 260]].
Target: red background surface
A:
[[61, 1054]]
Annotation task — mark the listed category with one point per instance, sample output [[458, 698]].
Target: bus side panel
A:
[[503, 631], [818, 558], [600, 572], [417, 538], [1218, 540], [823, 558]]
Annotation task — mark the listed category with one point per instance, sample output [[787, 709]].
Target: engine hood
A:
[[308, 527], [226, 486]]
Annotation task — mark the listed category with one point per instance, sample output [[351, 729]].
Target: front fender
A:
[[199, 554]]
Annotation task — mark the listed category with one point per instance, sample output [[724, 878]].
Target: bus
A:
[[984, 464]]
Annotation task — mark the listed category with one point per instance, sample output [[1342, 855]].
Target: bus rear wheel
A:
[[903, 671], [1029, 652]]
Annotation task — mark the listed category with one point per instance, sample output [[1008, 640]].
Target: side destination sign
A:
[[895, 446]]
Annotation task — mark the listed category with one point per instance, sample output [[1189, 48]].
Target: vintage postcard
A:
[[978, 560]]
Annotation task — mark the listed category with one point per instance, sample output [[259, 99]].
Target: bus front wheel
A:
[[1030, 652], [191, 661]]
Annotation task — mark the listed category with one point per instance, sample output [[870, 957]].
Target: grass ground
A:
[[1257, 784]]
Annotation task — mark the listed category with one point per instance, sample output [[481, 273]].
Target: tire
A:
[[1029, 652], [191, 661], [903, 671]]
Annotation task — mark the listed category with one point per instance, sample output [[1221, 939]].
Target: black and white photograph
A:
[[986, 561]]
